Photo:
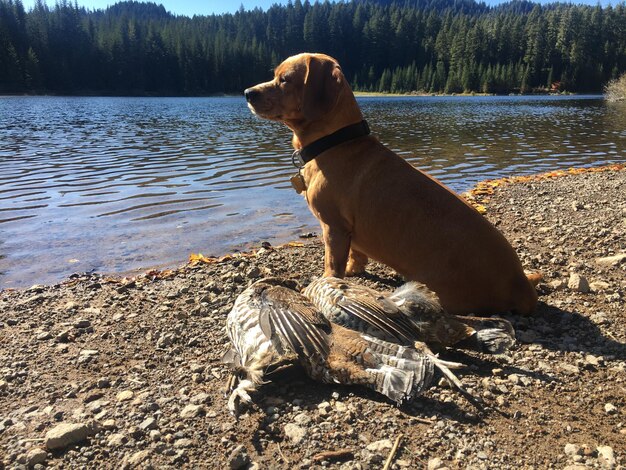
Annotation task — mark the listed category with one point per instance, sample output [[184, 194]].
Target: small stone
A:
[[65, 434], [592, 360], [147, 424], [571, 449], [606, 457], [578, 283], [295, 433], [181, 443], [82, 324], [138, 457], [196, 368], [611, 260], [64, 336], [254, 272], [599, 286], [44, 336], [125, 395], [302, 419], [435, 464], [91, 311], [36, 456], [324, 408], [610, 409], [191, 411], [103, 383], [109, 424], [200, 398], [514, 379], [155, 435], [570, 369], [341, 407], [238, 458], [558, 284], [380, 446], [93, 396], [117, 440]]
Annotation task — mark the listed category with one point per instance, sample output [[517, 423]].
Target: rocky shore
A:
[[103, 372]]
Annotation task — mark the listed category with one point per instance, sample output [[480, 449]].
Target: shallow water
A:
[[121, 184]]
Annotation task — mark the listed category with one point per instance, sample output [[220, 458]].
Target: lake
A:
[[127, 184]]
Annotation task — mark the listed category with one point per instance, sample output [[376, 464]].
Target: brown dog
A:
[[372, 203]]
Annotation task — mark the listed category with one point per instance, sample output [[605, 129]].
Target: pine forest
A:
[[425, 46]]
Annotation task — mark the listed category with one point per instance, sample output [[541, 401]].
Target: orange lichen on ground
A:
[[479, 195]]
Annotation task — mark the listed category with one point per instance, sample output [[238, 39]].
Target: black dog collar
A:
[[306, 154]]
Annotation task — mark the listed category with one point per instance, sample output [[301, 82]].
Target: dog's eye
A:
[[282, 79]]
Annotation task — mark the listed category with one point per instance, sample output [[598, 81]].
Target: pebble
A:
[[436, 464], [557, 284], [181, 443], [43, 336], [324, 408], [117, 440], [109, 424], [191, 411], [578, 283], [611, 260], [238, 458], [66, 434], [606, 457], [571, 449], [610, 408], [147, 424], [380, 446], [36, 456], [125, 395], [295, 433], [200, 398], [599, 286], [138, 457]]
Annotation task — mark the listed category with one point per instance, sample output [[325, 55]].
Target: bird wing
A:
[[369, 305], [293, 323]]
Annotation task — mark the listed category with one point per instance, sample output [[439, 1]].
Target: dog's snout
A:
[[250, 94]]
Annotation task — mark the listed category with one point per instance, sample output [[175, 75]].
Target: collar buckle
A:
[[297, 160]]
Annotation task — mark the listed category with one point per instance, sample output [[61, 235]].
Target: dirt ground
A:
[[104, 372]]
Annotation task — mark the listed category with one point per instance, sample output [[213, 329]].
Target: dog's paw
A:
[[354, 271]]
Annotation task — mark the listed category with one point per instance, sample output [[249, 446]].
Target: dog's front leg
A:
[[336, 249]]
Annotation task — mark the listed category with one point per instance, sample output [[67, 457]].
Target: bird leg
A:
[[240, 394]]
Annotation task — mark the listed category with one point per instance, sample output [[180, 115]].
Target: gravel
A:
[[107, 372]]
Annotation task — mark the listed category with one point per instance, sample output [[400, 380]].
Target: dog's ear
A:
[[322, 85]]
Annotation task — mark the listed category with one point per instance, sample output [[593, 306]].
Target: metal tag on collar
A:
[[296, 159]]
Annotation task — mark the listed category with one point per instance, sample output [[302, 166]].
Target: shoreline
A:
[[134, 363]]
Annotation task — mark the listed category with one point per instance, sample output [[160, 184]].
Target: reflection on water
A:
[[114, 184]]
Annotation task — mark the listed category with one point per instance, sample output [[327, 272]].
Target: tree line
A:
[[433, 46]]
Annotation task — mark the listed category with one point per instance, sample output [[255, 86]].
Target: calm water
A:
[[119, 184]]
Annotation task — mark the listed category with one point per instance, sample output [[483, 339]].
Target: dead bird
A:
[[410, 313], [270, 321]]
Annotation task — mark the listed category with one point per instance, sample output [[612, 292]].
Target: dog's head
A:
[[305, 88]]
